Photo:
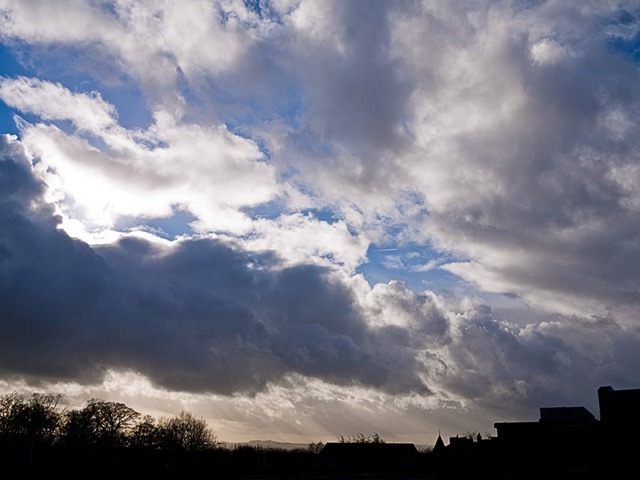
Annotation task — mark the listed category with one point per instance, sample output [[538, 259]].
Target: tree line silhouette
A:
[[38, 436], [38, 422]]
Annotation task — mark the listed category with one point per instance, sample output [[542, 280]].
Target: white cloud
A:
[[43, 22], [547, 51], [154, 42], [88, 112], [301, 239], [207, 170], [395, 304]]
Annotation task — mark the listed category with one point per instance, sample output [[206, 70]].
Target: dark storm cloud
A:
[[48, 281], [562, 361], [200, 316], [208, 317]]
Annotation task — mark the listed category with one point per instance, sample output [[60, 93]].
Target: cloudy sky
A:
[[301, 219]]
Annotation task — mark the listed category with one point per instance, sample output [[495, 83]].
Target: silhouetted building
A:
[[563, 435], [439, 447], [620, 423], [460, 446], [367, 454], [572, 437], [566, 415], [619, 408]]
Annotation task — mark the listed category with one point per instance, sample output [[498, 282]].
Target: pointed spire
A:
[[439, 446]]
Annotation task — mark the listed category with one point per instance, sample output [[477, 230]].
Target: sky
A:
[[305, 219]]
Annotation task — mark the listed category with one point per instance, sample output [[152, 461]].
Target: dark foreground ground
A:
[[293, 472], [264, 464]]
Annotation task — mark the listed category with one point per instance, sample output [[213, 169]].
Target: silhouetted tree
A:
[[145, 434], [100, 423], [10, 408], [28, 422], [24, 418], [185, 433], [315, 447], [471, 435], [361, 438]]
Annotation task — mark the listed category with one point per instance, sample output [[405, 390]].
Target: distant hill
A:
[[273, 444], [294, 446]]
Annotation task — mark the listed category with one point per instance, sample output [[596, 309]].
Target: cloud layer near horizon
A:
[[498, 137]]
